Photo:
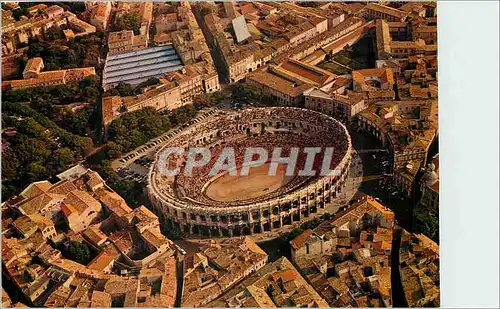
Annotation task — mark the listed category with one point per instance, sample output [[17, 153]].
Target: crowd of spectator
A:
[[284, 128]]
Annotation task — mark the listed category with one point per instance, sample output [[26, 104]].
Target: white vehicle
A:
[[378, 200]]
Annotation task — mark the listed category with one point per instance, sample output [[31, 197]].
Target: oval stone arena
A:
[[232, 203]]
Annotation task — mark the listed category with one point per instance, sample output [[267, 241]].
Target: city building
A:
[[407, 128], [174, 90], [248, 36], [429, 185], [341, 106], [135, 67], [220, 265], [125, 41], [99, 14], [34, 77], [324, 239], [347, 258], [41, 18], [278, 284], [132, 263], [422, 41], [419, 270], [380, 11]]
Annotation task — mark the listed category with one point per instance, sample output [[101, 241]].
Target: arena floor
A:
[[229, 188]]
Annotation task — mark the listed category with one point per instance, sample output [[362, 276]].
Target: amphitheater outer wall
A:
[[194, 218]]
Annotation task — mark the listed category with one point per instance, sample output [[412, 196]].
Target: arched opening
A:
[[287, 220], [246, 230], [236, 232], [267, 227]]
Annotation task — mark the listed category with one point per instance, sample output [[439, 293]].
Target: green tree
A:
[[79, 252], [294, 233], [128, 21], [54, 33], [31, 127], [17, 13], [36, 49], [32, 150], [36, 171], [64, 157], [10, 165], [122, 90], [114, 150]]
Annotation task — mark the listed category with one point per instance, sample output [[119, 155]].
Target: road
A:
[[216, 57], [372, 169], [398, 296]]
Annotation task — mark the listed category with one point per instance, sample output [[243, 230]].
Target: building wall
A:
[[166, 100], [282, 98], [238, 70], [333, 107], [211, 83], [430, 198]]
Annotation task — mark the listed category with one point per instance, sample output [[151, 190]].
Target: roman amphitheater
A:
[[232, 205]]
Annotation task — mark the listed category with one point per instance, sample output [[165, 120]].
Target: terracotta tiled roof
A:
[[300, 240], [35, 204], [94, 234], [285, 276], [63, 187], [114, 202], [36, 188], [67, 209], [100, 299], [100, 262], [81, 200], [33, 65]]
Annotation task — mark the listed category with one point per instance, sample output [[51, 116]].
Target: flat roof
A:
[[129, 65], [131, 58], [240, 28], [138, 66], [72, 173], [140, 52]]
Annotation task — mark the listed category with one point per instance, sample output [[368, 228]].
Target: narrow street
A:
[[218, 62], [398, 296], [180, 279]]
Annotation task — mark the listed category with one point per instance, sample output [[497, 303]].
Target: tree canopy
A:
[[82, 51], [134, 129], [79, 252], [127, 21], [38, 150]]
